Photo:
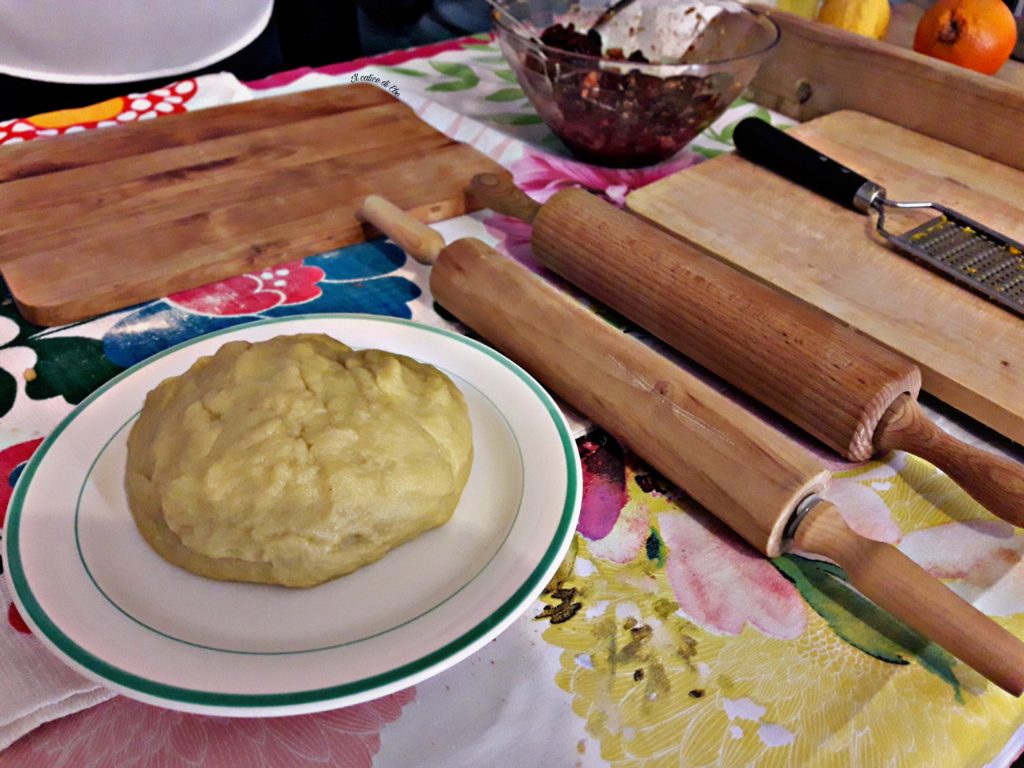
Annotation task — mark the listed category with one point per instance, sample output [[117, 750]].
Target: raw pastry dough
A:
[[295, 460]]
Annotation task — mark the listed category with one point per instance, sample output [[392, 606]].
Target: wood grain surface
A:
[[817, 69], [747, 473], [970, 352], [822, 376], [702, 441], [95, 222]]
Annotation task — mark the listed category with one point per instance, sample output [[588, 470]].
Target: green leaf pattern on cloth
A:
[[502, 102], [477, 67], [452, 85], [464, 77], [8, 392], [24, 328], [507, 94], [70, 367], [860, 622], [406, 71], [717, 138]]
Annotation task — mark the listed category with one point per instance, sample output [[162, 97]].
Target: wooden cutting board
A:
[[94, 222], [971, 353]]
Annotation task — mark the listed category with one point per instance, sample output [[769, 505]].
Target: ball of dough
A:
[[295, 460]]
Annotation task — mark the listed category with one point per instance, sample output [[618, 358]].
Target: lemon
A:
[[806, 8], [865, 17]]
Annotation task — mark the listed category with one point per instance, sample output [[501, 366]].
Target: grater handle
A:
[[767, 146], [996, 483]]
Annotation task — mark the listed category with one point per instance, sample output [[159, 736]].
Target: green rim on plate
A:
[[86, 660], [127, 614]]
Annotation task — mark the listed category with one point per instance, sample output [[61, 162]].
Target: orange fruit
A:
[[977, 34]]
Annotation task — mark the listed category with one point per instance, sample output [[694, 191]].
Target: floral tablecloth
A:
[[667, 641]]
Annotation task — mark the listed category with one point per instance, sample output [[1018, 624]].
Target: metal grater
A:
[[957, 247], [974, 255]]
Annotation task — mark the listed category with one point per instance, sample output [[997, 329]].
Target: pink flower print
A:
[[514, 235], [613, 515], [129, 734], [16, 622], [604, 484], [540, 175], [722, 584], [981, 560], [627, 539], [12, 461], [248, 294], [858, 500]]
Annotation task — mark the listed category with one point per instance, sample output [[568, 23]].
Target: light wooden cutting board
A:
[[94, 222], [971, 353]]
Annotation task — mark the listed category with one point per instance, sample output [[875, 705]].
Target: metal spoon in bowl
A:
[[610, 13], [519, 27]]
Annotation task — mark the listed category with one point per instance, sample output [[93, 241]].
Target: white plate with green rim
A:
[[104, 602]]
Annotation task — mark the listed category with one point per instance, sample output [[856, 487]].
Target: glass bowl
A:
[[616, 112]]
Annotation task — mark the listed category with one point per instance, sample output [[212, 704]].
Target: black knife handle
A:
[[766, 145]]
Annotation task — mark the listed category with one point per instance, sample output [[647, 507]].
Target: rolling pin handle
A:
[[993, 481], [411, 235], [896, 583], [500, 194]]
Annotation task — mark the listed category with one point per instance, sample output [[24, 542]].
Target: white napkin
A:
[[34, 686]]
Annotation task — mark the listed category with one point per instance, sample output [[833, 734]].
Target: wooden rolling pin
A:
[[755, 479], [843, 388]]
